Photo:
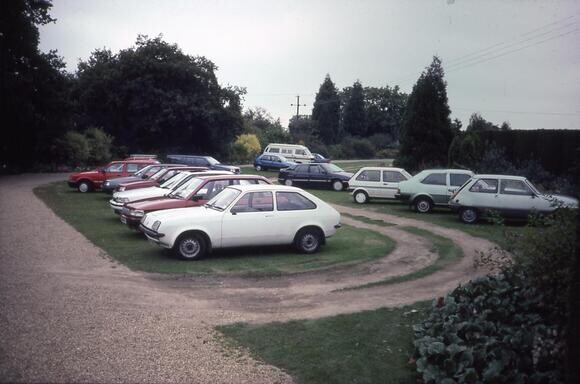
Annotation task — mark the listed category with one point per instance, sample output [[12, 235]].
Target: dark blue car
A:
[[318, 158], [322, 175], [269, 161], [203, 161]]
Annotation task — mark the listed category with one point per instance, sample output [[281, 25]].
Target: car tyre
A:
[[288, 182], [468, 215], [308, 240], [361, 197], [190, 246], [258, 168], [85, 186], [337, 185], [423, 205]]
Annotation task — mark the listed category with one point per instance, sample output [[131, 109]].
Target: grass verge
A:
[[90, 214], [364, 347]]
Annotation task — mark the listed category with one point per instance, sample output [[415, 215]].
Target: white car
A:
[[376, 182], [244, 215], [121, 198], [510, 196]]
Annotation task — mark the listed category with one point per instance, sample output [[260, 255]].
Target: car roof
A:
[[137, 161], [232, 176], [208, 173], [381, 169], [266, 187], [490, 176]]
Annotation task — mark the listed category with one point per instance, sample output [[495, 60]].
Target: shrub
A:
[[246, 148], [100, 144], [74, 148], [495, 329]]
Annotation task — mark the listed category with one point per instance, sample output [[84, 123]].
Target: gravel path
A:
[[69, 314]]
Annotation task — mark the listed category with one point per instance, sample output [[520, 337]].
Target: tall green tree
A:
[[153, 97], [427, 131], [34, 87], [385, 108], [354, 120], [326, 112], [259, 122]]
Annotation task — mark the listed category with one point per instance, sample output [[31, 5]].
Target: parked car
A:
[[123, 197], [157, 178], [91, 180], [292, 152], [376, 183], [315, 175], [203, 161], [112, 184], [197, 191], [265, 162], [432, 187], [318, 158], [245, 215], [512, 197]]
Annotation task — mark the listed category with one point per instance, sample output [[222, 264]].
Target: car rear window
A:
[[458, 179], [132, 168], [293, 201], [514, 187], [435, 179], [393, 176], [484, 186]]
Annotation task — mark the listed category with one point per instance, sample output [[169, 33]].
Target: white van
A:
[[293, 152]]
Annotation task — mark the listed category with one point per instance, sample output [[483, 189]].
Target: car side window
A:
[[300, 152], [316, 169], [393, 176], [302, 169], [118, 167], [254, 202], [287, 151], [293, 201], [484, 186], [132, 168], [514, 187], [458, 179], [435, 179], [369, 175], [274, 150]]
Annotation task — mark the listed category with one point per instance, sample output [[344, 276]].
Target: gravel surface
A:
[[70, 314]]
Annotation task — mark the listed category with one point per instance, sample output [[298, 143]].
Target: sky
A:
[[509, 60]]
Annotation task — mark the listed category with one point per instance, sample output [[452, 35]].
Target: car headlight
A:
[[156, 225], [122, 199], [137, 213], [121, 189], [107, 183]]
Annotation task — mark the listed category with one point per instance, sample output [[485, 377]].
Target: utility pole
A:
[[298, 105]]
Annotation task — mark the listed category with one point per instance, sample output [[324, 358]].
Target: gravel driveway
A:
[[70, 314]]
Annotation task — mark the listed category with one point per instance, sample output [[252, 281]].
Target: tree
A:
[[354, 116], [478, 123], [153, 97], [246, 147], [34, 87], [427, 131], [259, 122], [326, 112], [385, 108]]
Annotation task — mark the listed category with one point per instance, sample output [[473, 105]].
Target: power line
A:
[[520, 112]]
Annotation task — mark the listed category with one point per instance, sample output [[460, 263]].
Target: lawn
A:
[[365, 347], [90, 214]]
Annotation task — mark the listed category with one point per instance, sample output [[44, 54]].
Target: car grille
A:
[[125, 211]]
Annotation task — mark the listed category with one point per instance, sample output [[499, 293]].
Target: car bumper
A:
[[116, 206], [454, 206], [153, 236], [108, 188], [131, 221]]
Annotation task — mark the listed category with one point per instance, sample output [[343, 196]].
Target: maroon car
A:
[[158, 178], [197, 191]]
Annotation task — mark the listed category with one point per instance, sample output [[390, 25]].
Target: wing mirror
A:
[[197, 197]]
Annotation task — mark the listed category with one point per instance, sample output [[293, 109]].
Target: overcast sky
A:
[[508, 60]]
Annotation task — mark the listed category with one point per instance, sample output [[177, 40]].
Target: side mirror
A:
[[196, 197]]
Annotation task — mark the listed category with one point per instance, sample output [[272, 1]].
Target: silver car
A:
[[512, 197]]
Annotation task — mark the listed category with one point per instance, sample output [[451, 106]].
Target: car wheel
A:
[[288, 182], [423, 205], [361, 197], [84, 187], [190, 246], [258, 168], [308, 240], [468, 215], [337, 185]]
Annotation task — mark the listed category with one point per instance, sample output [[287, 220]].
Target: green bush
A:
[[100, 144], [496, 329], [74, 148]]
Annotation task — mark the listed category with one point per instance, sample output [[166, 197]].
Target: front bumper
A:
[[116, 206], [131, 221], [153, 236]]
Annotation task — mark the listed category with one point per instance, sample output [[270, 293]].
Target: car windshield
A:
[[158, 174], [212, 161], [174, 180], [332, 168], [222, 200], [536, 190], [183, 191], [142, 171], [283, 159]]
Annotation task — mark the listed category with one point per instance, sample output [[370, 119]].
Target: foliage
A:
[[246, 148], [385, 108], [100, 144], [353, 148], [354, 116], [427, 131], [74, 149], [496, 329], [465, 150], [259, 122], [37, 110], [153, 96], [303, 129], [326, 112]]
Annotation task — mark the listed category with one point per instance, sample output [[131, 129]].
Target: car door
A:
[[484, 194], [301, 175], [390, 183], [370, 180], [516, 199], [317, 176], [250, 221], [114, 170], [435, 185]]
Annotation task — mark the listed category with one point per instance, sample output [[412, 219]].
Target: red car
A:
[[197, 191], [90, 180], [158, 178]]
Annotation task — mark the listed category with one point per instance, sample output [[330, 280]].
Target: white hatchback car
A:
[[244, 215], [510, 196], [376, 182]]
